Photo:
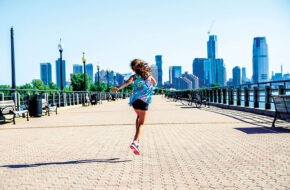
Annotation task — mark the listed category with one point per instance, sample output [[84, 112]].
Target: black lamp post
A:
[[114, 79], [12, 60], [60, 48], [98, 67], [84, 62], [108, 79]]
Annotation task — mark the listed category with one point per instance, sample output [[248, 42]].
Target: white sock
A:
[[136, 142]]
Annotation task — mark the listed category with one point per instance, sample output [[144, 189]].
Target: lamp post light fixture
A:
[[60, 48], [84, 62], [98, 68]]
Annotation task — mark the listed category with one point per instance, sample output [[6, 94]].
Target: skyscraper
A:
[[57, 63], [182, 83], [77, 68], [193, 79], [45, 73], [237, 80], [158, 60], [199, 70], [260, 60], [212, 47], [244, 75], [220, 73], [90, 71], [155, 72], [174, 72]]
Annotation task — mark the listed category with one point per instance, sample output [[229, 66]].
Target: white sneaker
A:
[[135, 148]]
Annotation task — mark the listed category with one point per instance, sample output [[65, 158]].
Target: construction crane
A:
[[210, 27]]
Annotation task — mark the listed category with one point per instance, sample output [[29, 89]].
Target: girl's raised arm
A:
[[129, 81]]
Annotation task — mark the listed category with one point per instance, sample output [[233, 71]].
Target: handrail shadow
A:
[[260, 120], [110, 160], [262, 130]]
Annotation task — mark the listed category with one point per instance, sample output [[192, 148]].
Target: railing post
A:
[[224, 96], [211, 95], [26, 99], [215, 95], [268, 93], [247, 97], [238, 96], [256, 97], [73, 99], [231, 96], [1, 96], [58, 100], [69, 99], [282, 90], [219, 95], [64, 99]]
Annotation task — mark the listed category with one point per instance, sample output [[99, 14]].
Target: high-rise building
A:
[[260, 60], [237, 80], [90, 71], [57, 63], [174, 72], [155, 72], [45, 73], [182, 83], [194, 79], [199, 70], [244, 75], [212, 47], [220, 72], [77, 68], [158, 60]]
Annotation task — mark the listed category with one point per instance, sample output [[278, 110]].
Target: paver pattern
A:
[[182, 148]]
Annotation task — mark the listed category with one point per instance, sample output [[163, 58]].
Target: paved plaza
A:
[[182, 147]]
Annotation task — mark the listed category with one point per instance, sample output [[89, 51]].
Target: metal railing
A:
[[253, 95], [22, 97]]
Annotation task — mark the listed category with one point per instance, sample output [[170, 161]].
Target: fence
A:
[[253, 95], [21, 97]]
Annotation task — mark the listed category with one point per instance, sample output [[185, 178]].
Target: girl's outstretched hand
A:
[[115, 89]]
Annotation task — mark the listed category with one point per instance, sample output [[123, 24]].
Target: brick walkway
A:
[[182, 148]]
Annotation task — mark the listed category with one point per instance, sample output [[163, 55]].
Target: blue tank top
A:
[[143, 90]]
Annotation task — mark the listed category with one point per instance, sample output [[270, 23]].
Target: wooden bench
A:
[[48, 108], [282, 107], [8, 107]]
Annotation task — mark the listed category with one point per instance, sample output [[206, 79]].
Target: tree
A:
[[52, 86], [103, 87], [26, 86], [38, 84], [77, 82], [216, 85]]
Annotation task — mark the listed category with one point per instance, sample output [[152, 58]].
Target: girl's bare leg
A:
[[139, 123]]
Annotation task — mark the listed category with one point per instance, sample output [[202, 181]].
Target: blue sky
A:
[[113, 32]]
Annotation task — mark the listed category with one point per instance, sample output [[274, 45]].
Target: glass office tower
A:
[[260, 60], [45, 73], [158, 60]]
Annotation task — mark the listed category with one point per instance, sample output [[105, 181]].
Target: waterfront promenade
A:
[[182, 148]]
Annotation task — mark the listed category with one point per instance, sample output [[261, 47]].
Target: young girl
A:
[[141, 98]]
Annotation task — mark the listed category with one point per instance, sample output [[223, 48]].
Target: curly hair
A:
[[141, 68]]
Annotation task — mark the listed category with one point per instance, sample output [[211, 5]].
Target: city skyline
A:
[[114, 33]]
